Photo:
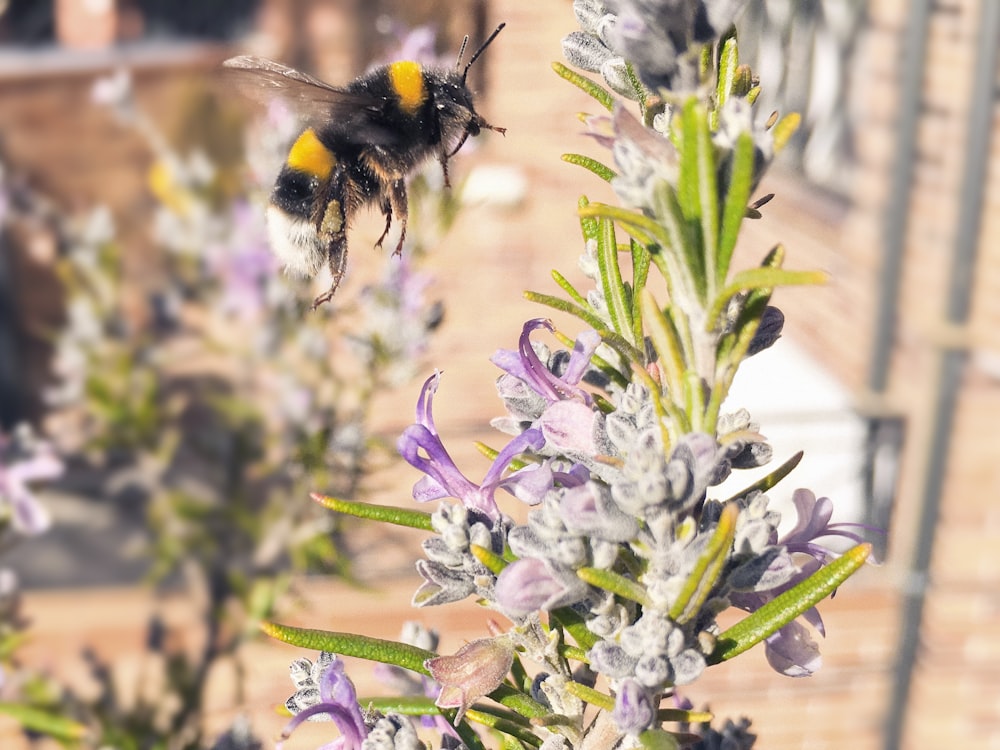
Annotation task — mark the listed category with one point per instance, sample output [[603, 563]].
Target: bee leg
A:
[[332, 233], [337, 259], [398, 205], [387, 211], [444, 166]]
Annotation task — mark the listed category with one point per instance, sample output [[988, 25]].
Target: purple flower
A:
[[18, 467], [555, 404], [323, 689], [530, 584], [526, 365], [791, 650], [661, 38], [814, 523], [244, 265], [421, 446], [634, 710]]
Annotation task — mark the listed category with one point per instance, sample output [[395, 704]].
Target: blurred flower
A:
[[660, 39], [115, 91], [242, 263], [23, 460], [396, 322]]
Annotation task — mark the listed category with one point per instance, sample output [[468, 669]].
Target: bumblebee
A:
[[360, 144]]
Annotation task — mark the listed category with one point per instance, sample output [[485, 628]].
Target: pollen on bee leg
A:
[[333, 220]]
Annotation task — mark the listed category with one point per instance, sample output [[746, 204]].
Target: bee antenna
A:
[[479, 51], [461, 51]]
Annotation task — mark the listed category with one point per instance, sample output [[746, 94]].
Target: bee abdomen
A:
[[296, 238]]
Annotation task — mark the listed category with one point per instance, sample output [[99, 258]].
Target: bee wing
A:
[[264, 80]]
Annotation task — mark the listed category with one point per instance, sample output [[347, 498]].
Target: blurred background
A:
[[148, 338]]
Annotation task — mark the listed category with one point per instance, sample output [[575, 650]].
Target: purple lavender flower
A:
[[24, 460], [324, 690], [418, 44], [397, 321], [814, 523], [791, 650], [533, 585], [527, 366], [421, 446], [244, 264], [547, 395], [634, 711], [659, 39]]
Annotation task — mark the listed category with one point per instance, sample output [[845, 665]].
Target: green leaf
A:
[[351, 644], [785, 607], [619, 585], [619, 307], [601, 170], [407, 705], [489, 558], [589, 695], [509, 743], [666, 342], [697, 192], [601, 95], [572, 623], [640, 272], [646, 230], [785, 129], [568, 287], [735, 206], [414, 519], [694, 401], [708, 192], [658, 739], [681, 715], [765, 483], [465, 732], [518, 702], [683, 239], [588, 224], [640, 91], [729, 61], [557, 303], [507, 726], [760, 278], [45, 722], [708, 568]]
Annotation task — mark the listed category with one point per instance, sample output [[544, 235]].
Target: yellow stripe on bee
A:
[[407, 80], [309, 155]]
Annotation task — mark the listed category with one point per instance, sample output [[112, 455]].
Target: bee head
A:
[[460, 97]]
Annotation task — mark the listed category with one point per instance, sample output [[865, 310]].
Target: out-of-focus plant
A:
[[204, 388], [28, 697], [618, 438]]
